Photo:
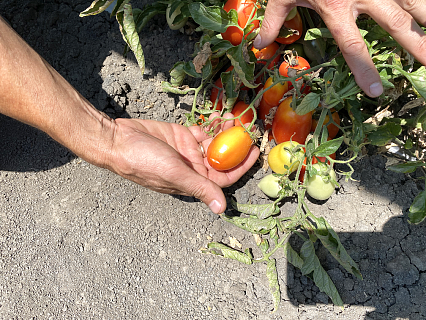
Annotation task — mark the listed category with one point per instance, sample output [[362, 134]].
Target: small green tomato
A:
[[270, 185], [171, 18], [319, 189]]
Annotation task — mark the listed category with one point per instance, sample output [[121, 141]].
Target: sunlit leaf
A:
[[328, 147], [309, 103], [262, 211], [212, 18], [274, 286], [417, 211], [96, 7], [252, 224], [407, 167], [230, 253]]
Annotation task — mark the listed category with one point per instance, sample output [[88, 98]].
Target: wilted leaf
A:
[[262, 211], [202, 57], [228, 252], [252, 224], [96, 7], [274, 286]]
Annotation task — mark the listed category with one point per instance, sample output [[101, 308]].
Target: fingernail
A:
[[215, 206], [376, 89], [257, 41]]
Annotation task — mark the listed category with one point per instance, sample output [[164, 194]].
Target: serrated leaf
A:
[[274, 286], [230, 253], [316, 33], [309, 103], [328, 147], [311, 264], [292, 256], [96, 7], [383, 134], [130, 35], [417, 211], [418, 80], [262, 211], [189, 69], [213, 18], [244, 69], [118, 6], [252, 224], [385, 77], [407, 167], [331, 241], [168, 87]]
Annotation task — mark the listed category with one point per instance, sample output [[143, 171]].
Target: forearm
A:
[[31, 91]]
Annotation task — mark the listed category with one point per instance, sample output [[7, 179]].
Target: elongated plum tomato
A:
[[296, 24], [229, 148], [247, 117], [332, 129], [279, 158], [244, 9], [267, 53], [274, 94], [287, 124], [319, 189], [298, 63]]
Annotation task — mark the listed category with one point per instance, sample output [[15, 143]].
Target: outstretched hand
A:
[[168, 158], [398, 17]]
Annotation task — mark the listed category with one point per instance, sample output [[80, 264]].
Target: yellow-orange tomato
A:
[[281, 160], [229, 148], [274, 94]]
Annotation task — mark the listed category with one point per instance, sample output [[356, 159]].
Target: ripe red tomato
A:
[[314, 160], [247, 117], [288, 124], [229, 148], [333, 130], [244, 9], [295, 24], [263, 111], [298, 63], [267, 53], [275, 94]]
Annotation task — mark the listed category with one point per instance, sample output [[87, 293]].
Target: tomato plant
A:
[[320, 186], [294, 62], [315, 159], [270, 185], [229, 148], [294, 24], [287, 124], [332, 129], [267, 53], [245, 12], [247, 117], [216, 94], [281, 160], [274, 94]]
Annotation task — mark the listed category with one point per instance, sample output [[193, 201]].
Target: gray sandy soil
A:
[[78, 242]]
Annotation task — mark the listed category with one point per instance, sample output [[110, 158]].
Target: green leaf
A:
[[417, 211], [142, 17], [376, 33], [311, 264], [262, 211], [407, 167], [252, 224], [213, 18], [244, 69], [130, 35], [331, 241], [328, 147], [189, 69], [228, 252], [316, 33], [168, 87], [309, 103], [292, 256], [231, 87], [385, 77], [383, 134], [264, 246], [418, 80], [177, 74], [96, 7], [274, 286], [118, 7]]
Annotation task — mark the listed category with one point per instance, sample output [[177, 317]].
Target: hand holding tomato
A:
[[398, 17], [167, 158]]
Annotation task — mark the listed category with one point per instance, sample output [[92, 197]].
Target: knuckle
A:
[[352, 46], [398, 20], [409, 5]]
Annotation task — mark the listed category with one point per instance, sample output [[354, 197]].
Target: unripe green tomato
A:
[[279, 157], [171, 18], [270, 185], [319, 189]]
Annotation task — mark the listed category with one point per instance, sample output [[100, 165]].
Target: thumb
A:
[[205, 190], [275, 15]]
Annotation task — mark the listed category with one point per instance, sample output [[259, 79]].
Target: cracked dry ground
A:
[[78, 242]]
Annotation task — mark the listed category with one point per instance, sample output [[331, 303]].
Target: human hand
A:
[[398, 17], [167, 158]]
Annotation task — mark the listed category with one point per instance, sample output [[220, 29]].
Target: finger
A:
[[416, 8], [227, 124], [275, 14], [403, 28], [346, 33]]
